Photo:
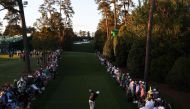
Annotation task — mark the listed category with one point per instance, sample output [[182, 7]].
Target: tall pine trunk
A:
[[148, 42], [115, 15], [107, 27]]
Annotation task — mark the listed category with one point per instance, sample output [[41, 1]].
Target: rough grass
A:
[[79, 72], [11, 69], [7, 56]]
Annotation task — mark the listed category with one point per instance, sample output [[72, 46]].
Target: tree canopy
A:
[[169, 36]]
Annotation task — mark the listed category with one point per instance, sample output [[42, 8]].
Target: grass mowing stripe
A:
[[77, 73]]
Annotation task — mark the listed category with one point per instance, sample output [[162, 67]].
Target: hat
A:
[[158, 99], [97, 92], [90, 90], [30, 76], [156, 92], [154, 89]]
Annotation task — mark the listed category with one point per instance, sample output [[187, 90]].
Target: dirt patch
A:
[[180, 97]]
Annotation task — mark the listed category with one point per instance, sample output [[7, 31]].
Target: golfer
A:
[[92, 98]]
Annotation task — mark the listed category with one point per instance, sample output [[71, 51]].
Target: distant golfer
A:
[[92, 98]]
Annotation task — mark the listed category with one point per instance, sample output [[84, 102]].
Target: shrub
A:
[[121, 53], [108, 51], [136, 57], [160, 67], [179, 76], [125, 41]]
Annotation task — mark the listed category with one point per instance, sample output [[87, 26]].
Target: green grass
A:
[[11, 69], [4, 56], [77, 73]]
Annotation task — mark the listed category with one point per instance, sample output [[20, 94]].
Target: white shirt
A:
[[137, 88], [143, 108], [116, 71], [149, 104], [161, 107], [131, 85]]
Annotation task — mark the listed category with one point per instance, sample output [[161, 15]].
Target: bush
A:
[[179, 76], [121, 53], [160, 67], [163, 55], [108, 51], [136, 58], [183, 44], [125, 41]]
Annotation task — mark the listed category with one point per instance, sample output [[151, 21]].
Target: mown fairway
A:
[[78, 72]]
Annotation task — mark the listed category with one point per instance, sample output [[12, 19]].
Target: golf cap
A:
[[97, 92], [154, 89], [158, 99]]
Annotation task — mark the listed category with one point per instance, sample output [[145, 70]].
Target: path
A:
[[178, 96]]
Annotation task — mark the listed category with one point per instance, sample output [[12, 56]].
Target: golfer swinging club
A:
[[92, 98]]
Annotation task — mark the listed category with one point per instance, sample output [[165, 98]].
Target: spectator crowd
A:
[[21, 93], [136, 91]]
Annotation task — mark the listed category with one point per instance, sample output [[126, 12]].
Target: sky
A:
[[86, 15]]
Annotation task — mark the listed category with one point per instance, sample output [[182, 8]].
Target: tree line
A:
[[53, 28], [51, 31], [169, 50]]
